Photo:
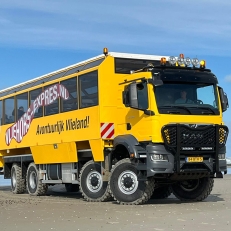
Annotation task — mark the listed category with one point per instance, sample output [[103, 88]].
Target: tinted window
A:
[[88, 85], [53, 108], [9, 110], [125, 66], [72, 102], [33, 95], [22, 105]]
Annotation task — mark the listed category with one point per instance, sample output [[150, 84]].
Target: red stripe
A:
[[106, 129], [111, 134]]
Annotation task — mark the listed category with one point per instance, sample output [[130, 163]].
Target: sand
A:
[[68, 211]]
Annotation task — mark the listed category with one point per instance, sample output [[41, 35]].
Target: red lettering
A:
[[18, 130]]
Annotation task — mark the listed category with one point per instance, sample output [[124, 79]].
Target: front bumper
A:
[[170, 166]]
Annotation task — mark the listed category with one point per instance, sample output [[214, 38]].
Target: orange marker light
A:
[[202, 63], [181, 56], [132, 155], [163, 61], [105, 51]]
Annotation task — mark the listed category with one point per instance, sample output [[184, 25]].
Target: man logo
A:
[[193, 125]]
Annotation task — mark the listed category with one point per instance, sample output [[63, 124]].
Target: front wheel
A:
[[34, 185], [92, 186], [193, 190], [125, 187]]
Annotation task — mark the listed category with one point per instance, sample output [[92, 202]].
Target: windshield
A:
[[182, 98]]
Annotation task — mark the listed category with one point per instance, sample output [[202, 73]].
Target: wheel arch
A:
[[125, 143]]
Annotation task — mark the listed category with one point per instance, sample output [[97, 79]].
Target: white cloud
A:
[[228, 78], [169, 25]]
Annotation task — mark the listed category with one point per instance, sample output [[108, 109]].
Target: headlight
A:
[[221, 156], [160, 157], [187, 61], [195, 62], [172, 60], [180, 61]]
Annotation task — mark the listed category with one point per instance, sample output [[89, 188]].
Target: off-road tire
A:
[[90, 170], [142, 190], [34, 186], [72, 187], [162, 192], [18, 181], [201, 190]]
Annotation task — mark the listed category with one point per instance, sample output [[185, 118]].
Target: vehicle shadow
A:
[[173, 200], [59, 191]]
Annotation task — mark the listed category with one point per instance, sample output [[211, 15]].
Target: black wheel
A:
[[34, 186], [18, 181], [92, 186], [162, 192], [193, 190], [125, 187], [72, 187]]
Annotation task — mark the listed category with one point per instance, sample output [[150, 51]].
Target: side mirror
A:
[[130, 98], [223, 99], [133, 96], [156, 80]]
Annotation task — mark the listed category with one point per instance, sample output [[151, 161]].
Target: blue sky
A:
[[38, 37]]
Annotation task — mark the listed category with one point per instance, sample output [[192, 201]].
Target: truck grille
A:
[[197, 136]]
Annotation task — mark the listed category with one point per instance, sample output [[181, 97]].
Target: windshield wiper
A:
[[206, 108], [180, 107]]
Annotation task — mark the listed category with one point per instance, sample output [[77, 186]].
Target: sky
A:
[[38, 37]]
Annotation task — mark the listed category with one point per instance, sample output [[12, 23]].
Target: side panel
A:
[[1, 162], [97, 149], [55, 153], [78, 125], [112, 109]]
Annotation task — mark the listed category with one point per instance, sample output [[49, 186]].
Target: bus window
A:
[[33, 95], [22, 104], [88, 84], [72, 102], [1, 121], [52, 108], [9, 110]]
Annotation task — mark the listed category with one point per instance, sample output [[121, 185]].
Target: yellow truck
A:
[[124, 126]]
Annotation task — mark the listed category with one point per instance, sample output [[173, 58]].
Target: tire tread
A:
[[41, 188], [150, 184], [20, 181], [206, 192], [106, 196]]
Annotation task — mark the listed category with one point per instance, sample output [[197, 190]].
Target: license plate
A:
[[194, 159]]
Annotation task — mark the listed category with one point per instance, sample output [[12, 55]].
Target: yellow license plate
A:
[[194, 159]]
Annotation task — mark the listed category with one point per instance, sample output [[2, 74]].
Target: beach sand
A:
[[68, 211]]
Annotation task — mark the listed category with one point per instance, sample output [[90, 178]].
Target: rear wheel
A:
[[18, 182], [125, 187], [162, 192], [34, 185], [193, 190], [92, 186], [72, 187]]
